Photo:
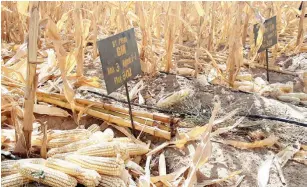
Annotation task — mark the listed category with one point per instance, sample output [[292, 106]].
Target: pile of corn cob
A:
[[85, 156]]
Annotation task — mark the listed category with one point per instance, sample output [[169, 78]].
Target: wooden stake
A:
[[31, 80]]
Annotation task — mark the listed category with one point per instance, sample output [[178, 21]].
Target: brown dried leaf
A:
[[50, 110], [271, 140]]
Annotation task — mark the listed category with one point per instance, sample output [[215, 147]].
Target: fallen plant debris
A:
[[190, 108]]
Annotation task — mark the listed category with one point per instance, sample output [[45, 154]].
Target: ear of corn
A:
[[9, 167], [59, 142], [61, 155], [70, 147], [56, 134], [14, 180], [47, 176], [111, 149], [94, 128], [96, 137], [135, 149], [105, 136], [86, 177], [103, 165], [107, 181], [106, 149]]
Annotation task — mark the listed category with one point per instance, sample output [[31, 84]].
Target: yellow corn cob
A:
[[59, 142], [47, 176], [94, 128], [14, 180], [123, 139], [105, 149], [56, 134], [9, 167], [103, 165], [107, 181], [86, 177], [135, 149]]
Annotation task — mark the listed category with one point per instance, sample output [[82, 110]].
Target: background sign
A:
[[270, 34], [120, 60]]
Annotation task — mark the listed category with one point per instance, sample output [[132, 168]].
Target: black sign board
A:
[[270, 34], [119, 58]]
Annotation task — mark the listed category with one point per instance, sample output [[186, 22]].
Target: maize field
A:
[[216, 102]]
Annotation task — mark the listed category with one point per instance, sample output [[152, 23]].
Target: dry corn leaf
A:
[[22, 7], [50, 110], [264, 172], [141, 99], [218, 181], [203, 150], [169, 177], [136, 89], [134, 166], [144, 180], [283, 156], [21, 52], [271, 140], [162, 164], [158, 148], [226, 129], [199, 8]]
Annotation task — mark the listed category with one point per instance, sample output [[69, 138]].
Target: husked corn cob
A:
[[94, 128], [105, 136], [123, 139], [37, 141], [86, 177], [70, 147], [105, 149], [56, 134], [103, 165], [14, 180], [9, 167], [107, 181], [59, 142], [135, 149], [95, 138], [47, 176], [61, 155]]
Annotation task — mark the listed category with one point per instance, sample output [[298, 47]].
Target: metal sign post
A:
[[130, 110], [120, 63], [269, 38]]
